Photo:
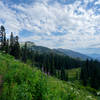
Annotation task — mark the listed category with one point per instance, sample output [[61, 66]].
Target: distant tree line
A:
[[11, 45], [51, 63], [90, 74]]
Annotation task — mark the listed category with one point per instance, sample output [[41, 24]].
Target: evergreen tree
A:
[[24, 52], [7, 46], [2, 31], [83, 76], [12, 44], [16, 48], [94, 80], [3, 38], [63, 75], [52, 68]]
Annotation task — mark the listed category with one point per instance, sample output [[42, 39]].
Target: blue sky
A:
[[69, 24]]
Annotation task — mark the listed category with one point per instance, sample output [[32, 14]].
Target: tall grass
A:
[[21, 82]]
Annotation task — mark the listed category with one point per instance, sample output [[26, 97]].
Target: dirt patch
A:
[[1, 83], [0, 79]]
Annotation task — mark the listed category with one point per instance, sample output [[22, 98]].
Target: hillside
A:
[[60, 51], [21, 82], [73, 54]]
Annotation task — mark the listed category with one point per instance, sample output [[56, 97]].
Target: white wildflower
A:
[[71, 88], [90, 97], [98, 93]]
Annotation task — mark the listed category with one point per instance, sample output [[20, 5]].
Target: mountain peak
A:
[[29, 43]]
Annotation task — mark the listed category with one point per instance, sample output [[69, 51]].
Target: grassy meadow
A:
[[22, 82]]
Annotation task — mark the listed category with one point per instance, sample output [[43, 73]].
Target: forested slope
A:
[[22, 82]]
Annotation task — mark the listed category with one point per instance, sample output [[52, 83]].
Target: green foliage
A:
[[73, 74], [90, 74], [21, 82]]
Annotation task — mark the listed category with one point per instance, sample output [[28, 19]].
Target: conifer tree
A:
[[3, 38], [63, 76], [52, 68], [83, 76], [24, 53], [7, 46], [12, 44], [16, 48]]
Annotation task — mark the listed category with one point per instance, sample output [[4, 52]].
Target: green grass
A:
[[21, 82], [73, 74]]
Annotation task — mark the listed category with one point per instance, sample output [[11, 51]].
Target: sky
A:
[[68, 24]]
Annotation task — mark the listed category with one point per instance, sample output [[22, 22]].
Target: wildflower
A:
[[98, 93]]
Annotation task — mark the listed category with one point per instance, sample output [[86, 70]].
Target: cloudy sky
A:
[[69, 24]]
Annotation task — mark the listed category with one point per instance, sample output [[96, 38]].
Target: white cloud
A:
[[9, 17], [97, 2], [78, 24]]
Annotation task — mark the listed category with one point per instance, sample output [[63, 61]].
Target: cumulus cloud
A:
[[66, 26], [9, 17], [97, 2]]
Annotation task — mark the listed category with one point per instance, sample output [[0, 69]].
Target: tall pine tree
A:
[[16, 48], [24, 52]]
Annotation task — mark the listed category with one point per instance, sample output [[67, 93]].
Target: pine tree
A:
[[12, 44], [87, 68], [2, 38], [63, 75], [4, 41], [83, 76], [16, 48], [7, 46], [24, 52], [52, 66]]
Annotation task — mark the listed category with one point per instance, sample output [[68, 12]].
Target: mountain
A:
[[60, 51], [41, 49], [73, 54], [29, 43], [65, 52], [94, 56]]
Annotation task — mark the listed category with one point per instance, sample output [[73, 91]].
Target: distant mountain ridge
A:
[[74, 54], [60, 51], [94, 56]]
